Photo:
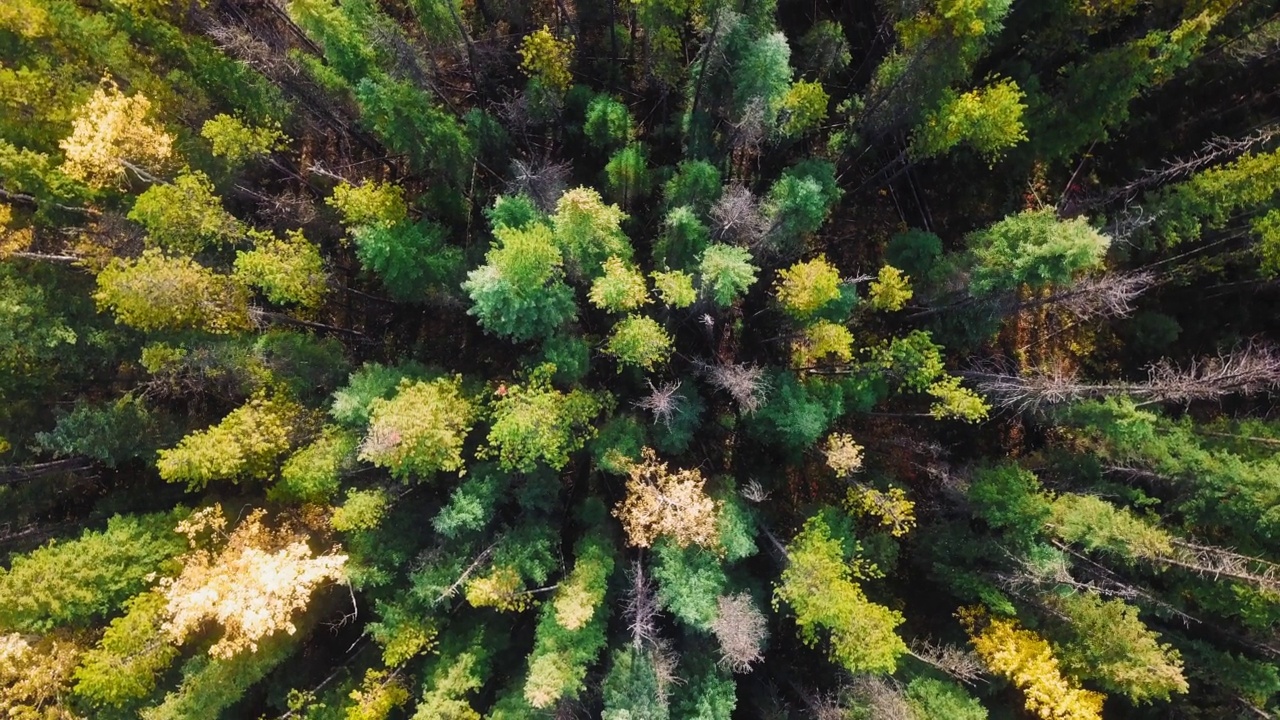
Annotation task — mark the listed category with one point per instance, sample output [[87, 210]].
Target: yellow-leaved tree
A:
[[662, 503], [249, 582], [113, 130], [1027, 661]]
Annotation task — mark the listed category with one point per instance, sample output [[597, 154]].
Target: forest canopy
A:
[[639, 359]]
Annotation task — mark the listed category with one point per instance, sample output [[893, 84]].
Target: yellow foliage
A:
[[502, 589], [843, 454], [1027, 660], [250, 585], [821, 340], [895, 511], [377, 696], [113, 129], [547, 58], [890, 290], [12, 240], [660, 503], [806, 287], [35, 676]]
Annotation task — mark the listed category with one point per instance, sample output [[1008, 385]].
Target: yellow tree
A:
[[113, 130], [1027, 660], [249, 583], [545, 57], [662, 503]]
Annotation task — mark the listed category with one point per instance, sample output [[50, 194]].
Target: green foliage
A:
[[514, 211], [518, 293], [690, 582], [763, 77], [211, 685], [695, 184], [111, 433], [162, 292], [248, 444], [420, 430], [588, 231], [124, 668], [627, 174], [618, 445], [76, 582], [725, 273], [641, 341], [288, 271], [351, 404], [184, 217], [915, 252], [1214, 197], [796, 414], [684, 238], [931, 698], [1010, 499], [632, 689], [472, 505], [675, 288], [818, 585], [1267, 229], [608, 123], [411, 259], [313, 474], [1110, 645], [798, 204], [536, 423], [1035, 248], [238, 143], [824, 50], [408, 122]]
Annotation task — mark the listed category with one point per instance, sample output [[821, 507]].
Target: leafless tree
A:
[[289, 206], [1259, 43], [641, 608], [543, 181], [746, 384], [1251, 368], [1099, 296], [663, 401], [741, 629], [754, 492], [737, 217], [960, 663], [882, 697]]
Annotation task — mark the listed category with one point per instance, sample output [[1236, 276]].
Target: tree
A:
[[988, 119], [185, 216], [288, 270], [250, 584], [608, 123], [684, 237], [805, 288], [804, 107], [73, 583], [113, 131], [419, 431], [1036, 248], [725, 273], [588, 231], [248, 444], [238, 143], [1109, 644], [637, 687], [891, 290], [547, 58], [518, 292], [675, 288], [124, 668], [741, 630], [620, 289], [1028, 661], [533, 422], [163, 292], [411, 259], [639, 340], [34, 675], [627, 174], [818, 585], [660, 503]]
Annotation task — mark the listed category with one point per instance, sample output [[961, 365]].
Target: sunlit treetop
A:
[[112, 131], [547, 58]]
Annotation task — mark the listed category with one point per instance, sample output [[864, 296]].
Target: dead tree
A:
[[1251, 368], [737, 217], [664, 402], [746, 384], [1110, 295]]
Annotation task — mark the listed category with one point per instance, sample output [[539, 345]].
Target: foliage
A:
[[660, 503], [989, 119], [533, 422], [1036, 248], [725, 273], [113, 129], [74, 582], [891, 290], [627, 174], [410, 259], [621, 288], [123, 669], [34, 676], [420, 430], [639, 340], [1028, 661], [163, 292], [372, 203], [608, 123], [249, 584], [818, 585], [806, 288], [588, 231], [185, 216], [518, 292], [547, 58], [313, 473], [288, 270], [804, 107], [239, 143], [675, 288], [248, 444], [1111, 645]]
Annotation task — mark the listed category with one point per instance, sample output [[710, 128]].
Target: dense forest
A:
[[639, 359]]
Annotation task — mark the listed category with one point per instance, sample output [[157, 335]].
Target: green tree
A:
[[608, 123], [1110, 645], [185, 216], [988, 119], [239, 143], [533, 422], [641, 341], [288, 270], [725, 272], [588, 231], [518, 292], [163, 292], [627, 174], [1034, 248], [124, 668], [248, 444]]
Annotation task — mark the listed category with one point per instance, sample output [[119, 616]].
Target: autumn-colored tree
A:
[[547, 58], [620, 289], [660, 503], [249, 582], [248, 444], [163, 292], [533, 422], [185, 216], [288, 270], [639, 340], [114, 131], [806, 288], [419, 431]]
